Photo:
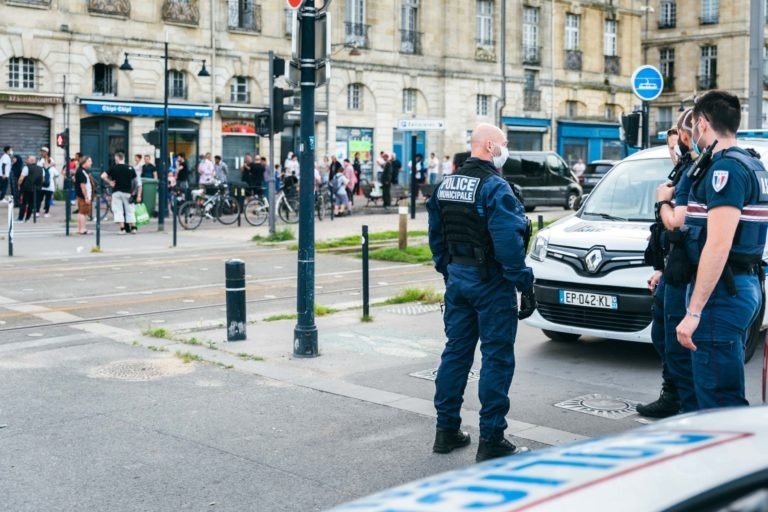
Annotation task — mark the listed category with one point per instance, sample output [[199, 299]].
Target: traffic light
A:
[[631, 129], [279, 108], [152, 137], [62, 139]]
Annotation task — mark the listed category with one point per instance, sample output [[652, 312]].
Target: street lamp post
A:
[[164, 164]]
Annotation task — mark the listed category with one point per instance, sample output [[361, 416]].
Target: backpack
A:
[[46, 178], [338, 182]]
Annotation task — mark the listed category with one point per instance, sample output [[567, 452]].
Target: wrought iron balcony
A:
[[175, 91], [105, 87], [706, 82], [669, 84], [410, 42], [709, 19], [667, 24], [36, 3], [612, 65], [245, 16], [531, 100], [573, 60], [356, 34], [532, 55]]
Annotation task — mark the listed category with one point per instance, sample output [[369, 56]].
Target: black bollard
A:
[[34, 206], [235, 288], [541, 222], [10, 227], [175, 210], [97, 213], [366, 308]]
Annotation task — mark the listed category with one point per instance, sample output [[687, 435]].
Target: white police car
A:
[[591, 277], [701, 462]]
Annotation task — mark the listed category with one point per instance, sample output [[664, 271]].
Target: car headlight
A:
[[540, 244]]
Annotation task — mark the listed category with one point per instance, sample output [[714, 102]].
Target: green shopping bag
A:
[[142, 215]]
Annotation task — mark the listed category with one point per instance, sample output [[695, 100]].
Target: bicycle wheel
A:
[[190, 215], [255, 211], [322, 206], [106, 209], [227, 210], [289, 210]]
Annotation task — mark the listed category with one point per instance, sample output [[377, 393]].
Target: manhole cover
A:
[[601, 405], [140, 370], [431, 374], [413, 310]]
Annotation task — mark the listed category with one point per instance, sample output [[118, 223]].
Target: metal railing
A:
[[573, 60], [709, 19], [531, 100], [532, 55], [612, 64], [669, 84], [706, 82], [667, 23], [246, 17], [410, 42], [356, 34], [105, 87]]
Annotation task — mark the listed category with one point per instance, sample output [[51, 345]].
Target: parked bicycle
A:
[[323, 201], [256, 209], [221, 207]]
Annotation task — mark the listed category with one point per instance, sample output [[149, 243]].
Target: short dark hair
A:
[[217, 157], [6, 149], [721, 109]]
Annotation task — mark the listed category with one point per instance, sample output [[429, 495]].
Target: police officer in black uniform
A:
[[477, 234], [725, 228]]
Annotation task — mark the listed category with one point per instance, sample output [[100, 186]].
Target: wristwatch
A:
[[691, 313], [657, 208]]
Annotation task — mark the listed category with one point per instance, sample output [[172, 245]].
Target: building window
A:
[[355, 97], [177, 82], [484, 23], [238, 92], [410, 38], [409, 101], [610, 112], [667, 67], [665, 119], [104, 80], [289, 21], [244, 15], [572, 24], [483, 102], [710, 12], [571, 109], [668, 14], [609, 38], [531, 52], [355, 29], [21, 73], [708, 68], [531, 93]]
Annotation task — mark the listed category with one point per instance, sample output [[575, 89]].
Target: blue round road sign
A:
[[647, 83]]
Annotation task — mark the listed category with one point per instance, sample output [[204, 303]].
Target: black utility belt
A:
[[466, 260]]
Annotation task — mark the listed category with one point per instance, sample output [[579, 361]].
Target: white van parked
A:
[[589, 267]]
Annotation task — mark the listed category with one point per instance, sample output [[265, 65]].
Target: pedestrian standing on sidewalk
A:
[[30, 181], [433, 168], [120, 177], [220, 169], [349, 173], [446, 166], [339, 186], [84, 193], [50, 174], [477, 234], [5, 169]]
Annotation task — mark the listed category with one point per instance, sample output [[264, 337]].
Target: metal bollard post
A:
[[175, 210], [34, 206], [402, 238], [10, 226], [235, 288], [541, 222], [366, 308], [98, 217]]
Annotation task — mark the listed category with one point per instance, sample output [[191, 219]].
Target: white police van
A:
[[700, 462], [591, 277]]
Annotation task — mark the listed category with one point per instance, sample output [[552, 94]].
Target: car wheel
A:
[[755, 336], [564, 337], [571, 201], [530, 208]]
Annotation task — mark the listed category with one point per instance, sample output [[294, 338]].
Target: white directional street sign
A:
[[420, 124]]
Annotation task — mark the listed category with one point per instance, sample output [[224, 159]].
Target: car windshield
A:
[[597, 169], [628, 192]]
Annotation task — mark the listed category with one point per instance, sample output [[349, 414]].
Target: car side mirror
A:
[[580, 201]]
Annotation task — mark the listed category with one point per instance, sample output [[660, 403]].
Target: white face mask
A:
[[677, 151], [498, 160], [696, 141]]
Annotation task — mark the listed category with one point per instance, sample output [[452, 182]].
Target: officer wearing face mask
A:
[[478, 237], [668, 287], [726, 234]]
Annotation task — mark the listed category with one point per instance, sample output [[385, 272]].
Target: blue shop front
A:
[[588, 141], [526, 133]]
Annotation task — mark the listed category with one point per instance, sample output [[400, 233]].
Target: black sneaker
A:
[[448, 440], [488, 449], [667, 405]]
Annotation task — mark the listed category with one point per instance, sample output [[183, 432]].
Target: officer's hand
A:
[[664, 192], [685, 330], [527, 304], [653, 281]]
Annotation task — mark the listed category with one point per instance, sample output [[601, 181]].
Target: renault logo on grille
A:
[[593, 259]]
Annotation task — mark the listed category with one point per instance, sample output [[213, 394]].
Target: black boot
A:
[[448, 440], [667, 405], [488, 449]]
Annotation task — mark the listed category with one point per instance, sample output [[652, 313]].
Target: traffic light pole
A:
[[271, 164], [646, 128], [163, 174], [305, 333]]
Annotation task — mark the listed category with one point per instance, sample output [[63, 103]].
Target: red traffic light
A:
[[295, 4], [62, 139]]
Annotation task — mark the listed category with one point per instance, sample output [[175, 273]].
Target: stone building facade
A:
[[565, 76], [698, 45]]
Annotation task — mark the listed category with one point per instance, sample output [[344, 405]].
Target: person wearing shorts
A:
[[83, 193]]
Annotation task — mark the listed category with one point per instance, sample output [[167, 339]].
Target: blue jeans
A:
[[473, 309], [717, 366]]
